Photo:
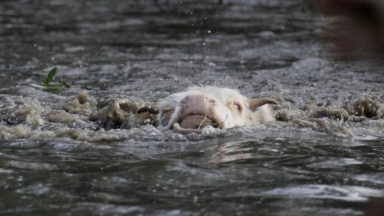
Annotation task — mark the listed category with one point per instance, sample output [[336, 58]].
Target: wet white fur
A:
[[222, 110]]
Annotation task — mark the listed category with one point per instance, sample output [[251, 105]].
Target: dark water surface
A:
[[55, 161]]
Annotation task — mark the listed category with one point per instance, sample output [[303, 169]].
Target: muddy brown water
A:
[[83, 151]]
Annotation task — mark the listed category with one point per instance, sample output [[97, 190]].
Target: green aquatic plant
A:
[[47, 84], [50, 76]]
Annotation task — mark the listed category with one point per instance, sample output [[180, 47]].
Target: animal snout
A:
[[197, 104]]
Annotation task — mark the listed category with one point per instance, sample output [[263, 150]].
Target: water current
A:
[[83, 150]]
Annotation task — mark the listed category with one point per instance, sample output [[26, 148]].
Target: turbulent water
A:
[[84, 150]]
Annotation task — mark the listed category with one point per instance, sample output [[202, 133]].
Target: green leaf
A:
[[49, 77]]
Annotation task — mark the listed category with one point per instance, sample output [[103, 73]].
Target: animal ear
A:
[[258, 102]]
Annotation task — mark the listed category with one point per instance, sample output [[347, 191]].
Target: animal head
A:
[[219, 107]]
